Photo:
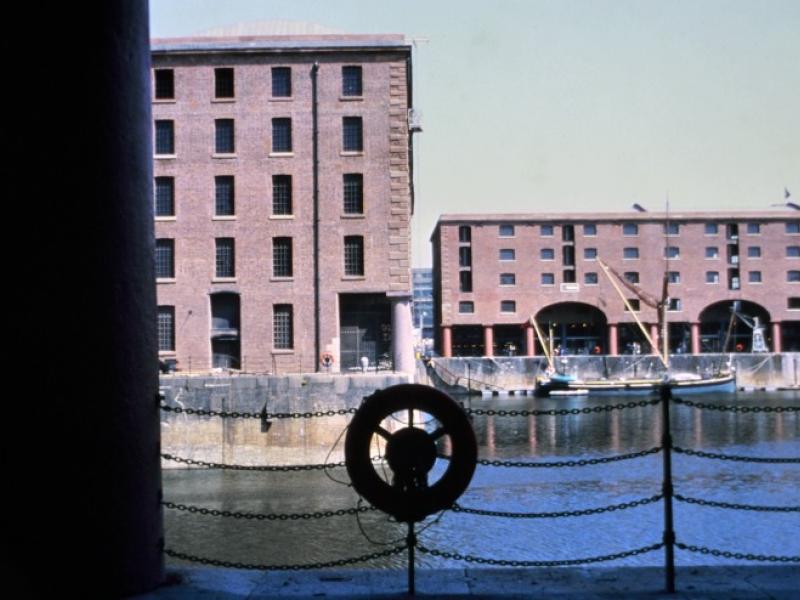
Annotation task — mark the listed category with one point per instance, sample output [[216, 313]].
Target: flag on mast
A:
[[786, 193]]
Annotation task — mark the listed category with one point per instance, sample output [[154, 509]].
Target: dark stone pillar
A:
[[82, 420]]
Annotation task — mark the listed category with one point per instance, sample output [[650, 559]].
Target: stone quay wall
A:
[[243, 441]]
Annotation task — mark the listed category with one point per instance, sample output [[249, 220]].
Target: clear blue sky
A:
[[562, 105]]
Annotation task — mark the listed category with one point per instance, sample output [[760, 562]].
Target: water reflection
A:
[[529, 438]]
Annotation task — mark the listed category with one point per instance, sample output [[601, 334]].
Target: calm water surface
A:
[[529, 490]]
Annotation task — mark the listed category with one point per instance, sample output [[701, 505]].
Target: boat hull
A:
[[642, 387]]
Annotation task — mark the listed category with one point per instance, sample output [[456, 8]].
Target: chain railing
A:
[[666, 496]]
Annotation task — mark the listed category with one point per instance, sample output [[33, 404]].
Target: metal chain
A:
[[753, 459], [258, 415], [269, 516], [343, 562], [211, 465], [490, 412], [567, 463], [734, 506], [537, 563], [738, 409], [556, 515], [738, 555]]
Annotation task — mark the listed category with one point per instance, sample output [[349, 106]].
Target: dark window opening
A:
[[281, 82], [283, 327], [354, 255], [225, 258], [224, 198], [281, 194], [352, 81], [281, 134], [165, 84], [352, 134], [223, 83], [353, 193], [223, 136], [165, 197], [165, 259], [465, 234], [465, 281], [165, 137], [282, 257], [166, 328]]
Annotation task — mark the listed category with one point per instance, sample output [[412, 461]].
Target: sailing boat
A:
[[560, 383]]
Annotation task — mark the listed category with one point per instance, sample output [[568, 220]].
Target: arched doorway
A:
[[721, 331], [575, 327]]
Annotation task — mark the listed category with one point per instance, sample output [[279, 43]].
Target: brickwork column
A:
[[447, 341], [530, 344], [777, 342], [695, 338], [488, 340], [613, 340]]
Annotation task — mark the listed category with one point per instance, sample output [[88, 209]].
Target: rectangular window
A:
[[225, 258], [165, 259], [792, 251], [508, 306], [506, 231], [352, 134], [224, 200], [672, 252], [712, 252], [353, 194], [631, 276], [223, 136], [354, 255], [223, 83], [281, 134], [630, 253], [634, 304], [165, 137], [465, 281], [753, 228], [547, 254], [793, 276], [282, 257], [281, 194], [165, 197], [546, 230], [674, 304], [793, 303], [282, 327], [568, 255], [590, 253], [754, 251], [508, 279], [352, 81], [711, 229], [590, 229], [507, 254], [166, 328], [548, 279], [568, 276], [165, 84], [793, 227], [674, 276], [590, 278], [754, 276], [712, 276], [466, 306], [465, 234], [464, 257], [567, 233], [672, 228], [630, 229], [281, 82]]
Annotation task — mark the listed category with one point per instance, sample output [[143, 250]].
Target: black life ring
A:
[[326, 360], [410, 452]]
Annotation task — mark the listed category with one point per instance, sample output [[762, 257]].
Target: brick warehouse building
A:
[[494, 272], [283, 197]]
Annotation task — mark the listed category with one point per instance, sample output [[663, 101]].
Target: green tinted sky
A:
[[575, 104]]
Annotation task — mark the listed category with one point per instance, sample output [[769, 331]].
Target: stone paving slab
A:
[[692, 583]]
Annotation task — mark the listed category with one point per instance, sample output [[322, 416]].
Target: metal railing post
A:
[[666, 489]]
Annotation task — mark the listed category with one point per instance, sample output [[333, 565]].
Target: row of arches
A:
[[576, 328]]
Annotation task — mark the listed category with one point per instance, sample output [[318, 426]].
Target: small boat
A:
[[559, 384]]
